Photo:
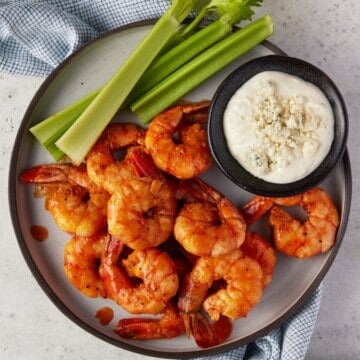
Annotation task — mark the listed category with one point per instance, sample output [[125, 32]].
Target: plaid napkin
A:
[[35, 36]]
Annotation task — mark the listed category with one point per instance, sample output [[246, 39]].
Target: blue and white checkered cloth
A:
[[35, 36]]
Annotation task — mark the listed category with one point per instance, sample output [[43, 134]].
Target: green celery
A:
[[82, 134], [233, 10], [230, 11], [192, 74], [48, 131]]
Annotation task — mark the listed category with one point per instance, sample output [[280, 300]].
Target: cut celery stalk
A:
[[196, 71], [48, 131]]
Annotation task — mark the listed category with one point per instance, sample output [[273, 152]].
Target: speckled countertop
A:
[[324, 32]]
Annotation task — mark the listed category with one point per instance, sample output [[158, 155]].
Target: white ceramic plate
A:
[[294, 280]]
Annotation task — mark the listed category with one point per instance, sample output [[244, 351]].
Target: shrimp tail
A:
[[46, 174], [187, 319], [137, 328], [207, 192], [195, 107], [143, 164], [256, 208], [146, 329], [168, 326], [207, 333], [196, 112]]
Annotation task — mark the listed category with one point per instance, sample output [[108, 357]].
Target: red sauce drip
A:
[[39, 233], [105, 315]]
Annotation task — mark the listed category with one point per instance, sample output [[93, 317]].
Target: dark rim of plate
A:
[[227, 163], [31, 262]]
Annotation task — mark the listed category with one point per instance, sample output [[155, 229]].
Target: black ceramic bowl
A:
[[231, 167]]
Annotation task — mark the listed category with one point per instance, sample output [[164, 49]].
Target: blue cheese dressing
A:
[[278, 126]]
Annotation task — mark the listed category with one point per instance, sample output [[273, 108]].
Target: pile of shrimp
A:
[[149, 234]]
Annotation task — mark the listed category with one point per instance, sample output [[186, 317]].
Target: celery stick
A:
[[51, 129], [179, 55], [78, 140], [54, 151], [201, 68]]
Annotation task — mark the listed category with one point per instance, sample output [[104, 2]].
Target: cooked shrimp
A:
[[256, 247], [154, 267], [316, 235], [77, 205], [102, 166], [188, 157], [169, 325], [82, 256], [260, 205], [244, 284], [213, 227], [142, 211]]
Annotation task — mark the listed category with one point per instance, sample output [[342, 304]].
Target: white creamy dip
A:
[[278, 126]]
